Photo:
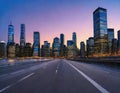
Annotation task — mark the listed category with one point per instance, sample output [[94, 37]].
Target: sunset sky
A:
[[52, 17]]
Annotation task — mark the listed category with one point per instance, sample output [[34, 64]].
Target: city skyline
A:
[[55, 18]]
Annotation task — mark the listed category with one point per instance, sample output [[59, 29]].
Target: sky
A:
[[53, 17]]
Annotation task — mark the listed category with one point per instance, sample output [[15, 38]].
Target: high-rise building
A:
[[22, 40], [2, 49], [90, 47], [10, 33], [100, 31], [11, 50], [36, 44], [62, 39], [74, 38], [17, 50], [45, 50], [70, 49], [22, 35], [62, 46], [56, 47], [118, 34], [28, 50], [114, 46], [82, 49], [110, 32]]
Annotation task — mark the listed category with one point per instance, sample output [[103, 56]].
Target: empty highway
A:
[[59, 76]]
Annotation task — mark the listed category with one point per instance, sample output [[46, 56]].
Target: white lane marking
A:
[[16, 82], [56, 71], [5, 88], [25, 77], [99, 87]]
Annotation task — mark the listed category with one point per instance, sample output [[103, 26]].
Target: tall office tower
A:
[[62, 48], [10, 33], [61, 39], [17, 50], [45, 50], [28, 50], [110, 32], [2, 49], [22, 40], [82, 49], [36, 44], [74, 38], [70, 49], [90, 47], [118, 34], [100, 31], [22, 35], [56, 47], [11, 50], [114, 46]]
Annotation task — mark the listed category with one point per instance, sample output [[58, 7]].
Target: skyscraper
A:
[[22, 40], [10, 33], [118, 34], [110, 32], [74, 39], [90, 47], [70, 49], [45, 50], [56, 47], [82, 49], [114, 46], [22, 35], [61, 39], [2, 49], [100, 31], [36, 44], [62, 47]]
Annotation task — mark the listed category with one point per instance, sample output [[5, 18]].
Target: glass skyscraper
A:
[[36, 44], [61, 39], [118, 34], [74, 39], [100, 31], [22, 35], [10, 33], [56, 47], [62, 47], [110, 37], [82, 49], [90, 47]]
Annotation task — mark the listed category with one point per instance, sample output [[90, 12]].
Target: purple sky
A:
[[52, 17]]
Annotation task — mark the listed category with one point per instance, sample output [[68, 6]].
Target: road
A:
[[61, 76]]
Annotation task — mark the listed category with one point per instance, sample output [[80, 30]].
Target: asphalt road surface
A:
[[60, 76]]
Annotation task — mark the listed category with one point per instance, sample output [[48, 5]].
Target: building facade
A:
[[71, 53], [36, 44], [90, 47], [2, 49], [22, 40], [118, 35], [110, 37], [10, 34], [82, 49], [114, 46], [45, 50], [100, 31], [62, 46], [56, 47]]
